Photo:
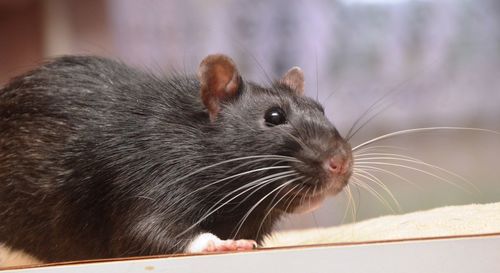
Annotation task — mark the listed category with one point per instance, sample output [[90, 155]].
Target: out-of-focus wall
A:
[[438, 63], [20, 37]]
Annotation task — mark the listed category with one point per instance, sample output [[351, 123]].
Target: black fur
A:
[[97, 159]]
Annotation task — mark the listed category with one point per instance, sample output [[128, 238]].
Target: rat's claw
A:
[[246, 244]]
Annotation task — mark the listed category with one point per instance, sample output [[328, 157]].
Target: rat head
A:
[[296, 153]]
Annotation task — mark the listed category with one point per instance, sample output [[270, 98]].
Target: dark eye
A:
[[275, 116]]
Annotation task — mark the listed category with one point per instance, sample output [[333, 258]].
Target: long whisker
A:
[[374, 192], [254, 161], [270, 157], [372, 168], [303, 198], [258, 184], [372, 107], [350, 201], [261, 200], [364, 155], [418, 170], [420, 162], [313, 193], [216, 206], [295, 195], [380, 111], [356, 183], [377, 147], [255, 183], [379, 183], [199, 170], [269, 210], [241, 174], [249, 195], [419, 130], [395, 90]]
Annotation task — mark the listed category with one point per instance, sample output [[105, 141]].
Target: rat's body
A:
[[100, 160]]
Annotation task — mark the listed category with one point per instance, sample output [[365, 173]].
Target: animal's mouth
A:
[[307, 200], [310, 203]]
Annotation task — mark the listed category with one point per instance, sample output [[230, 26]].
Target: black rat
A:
[[100, 160]]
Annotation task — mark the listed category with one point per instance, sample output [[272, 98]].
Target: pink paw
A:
[[229, 245], [207, 242]]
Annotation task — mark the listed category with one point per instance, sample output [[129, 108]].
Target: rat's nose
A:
[[337, 165]]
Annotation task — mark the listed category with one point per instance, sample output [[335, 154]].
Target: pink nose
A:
[[337, 165]]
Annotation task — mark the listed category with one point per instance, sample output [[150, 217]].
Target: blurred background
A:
[[396, 64]]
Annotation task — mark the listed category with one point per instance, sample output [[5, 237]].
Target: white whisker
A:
[[418, 162], [297, 193], [351, 204], [384, 155], [269, 210], [215, 208], [372, 168], [378, 147], [419, 130], [261, 200], [417, 170], [379, 183], [248, 196], [371, 190], [199, 170]]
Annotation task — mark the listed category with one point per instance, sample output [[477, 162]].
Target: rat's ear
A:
[[294, 78], [219, 81]]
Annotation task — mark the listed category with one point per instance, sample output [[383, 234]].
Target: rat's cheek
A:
[[208, 242]]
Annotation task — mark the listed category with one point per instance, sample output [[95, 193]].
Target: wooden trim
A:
[[423, 239]]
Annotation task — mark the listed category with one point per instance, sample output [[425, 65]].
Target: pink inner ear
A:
[[219, 80], [294, 78]]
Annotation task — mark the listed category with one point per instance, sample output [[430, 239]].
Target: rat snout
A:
[[338, 169], [337, 165]]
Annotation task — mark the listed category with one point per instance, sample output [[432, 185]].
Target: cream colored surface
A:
[[444, 221]]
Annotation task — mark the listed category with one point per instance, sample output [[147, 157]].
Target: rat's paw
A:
[[207, 242], [230, 245]]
